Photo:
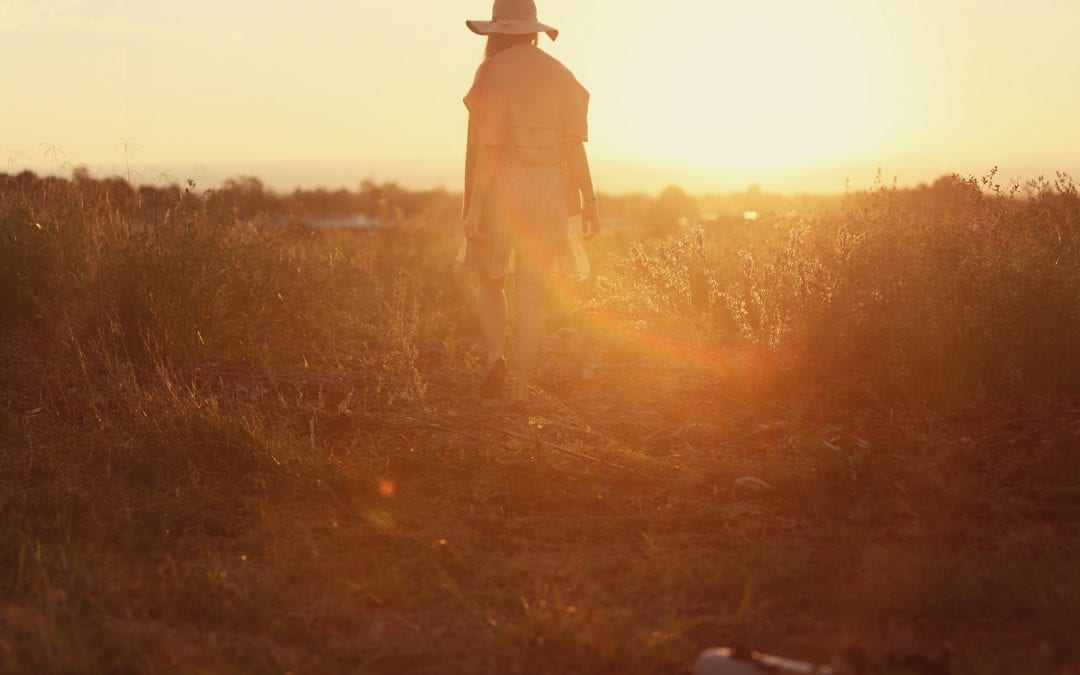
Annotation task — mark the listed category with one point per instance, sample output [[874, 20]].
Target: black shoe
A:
[[491, 386]]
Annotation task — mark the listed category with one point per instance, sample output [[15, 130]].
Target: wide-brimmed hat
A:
[[512, 17]]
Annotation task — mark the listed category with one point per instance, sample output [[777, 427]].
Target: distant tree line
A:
[[672, 209]]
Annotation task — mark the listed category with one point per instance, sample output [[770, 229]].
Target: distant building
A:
[[356, 221]]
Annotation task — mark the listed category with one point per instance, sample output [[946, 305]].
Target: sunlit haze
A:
[[794, 95]]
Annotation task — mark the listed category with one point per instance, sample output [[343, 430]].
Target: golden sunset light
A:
[[789, 94], [482, 337]]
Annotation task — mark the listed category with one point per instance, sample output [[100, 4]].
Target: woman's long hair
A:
[[496, 42]]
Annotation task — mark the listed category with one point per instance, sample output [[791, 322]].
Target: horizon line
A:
[[287, 177]]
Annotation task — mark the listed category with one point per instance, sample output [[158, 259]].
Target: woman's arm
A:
[[581, 179], [478, 178], [470, 172]]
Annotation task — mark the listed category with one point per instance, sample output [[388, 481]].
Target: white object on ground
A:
[[722, 661], [753, 483]]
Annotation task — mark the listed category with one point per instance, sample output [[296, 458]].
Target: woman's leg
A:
[[529, 331], [491, 305]]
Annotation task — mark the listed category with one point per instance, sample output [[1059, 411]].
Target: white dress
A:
[[524, 221]]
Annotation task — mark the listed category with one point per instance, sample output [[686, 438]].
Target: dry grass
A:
[[232, 448]]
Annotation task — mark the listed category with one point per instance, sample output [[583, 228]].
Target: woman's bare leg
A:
[[491, 305], [528, 333]]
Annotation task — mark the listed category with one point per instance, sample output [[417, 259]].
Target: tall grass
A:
[[165, 369], [234, 445], [967, 298]]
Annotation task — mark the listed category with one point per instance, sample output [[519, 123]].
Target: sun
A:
[[764, 84]]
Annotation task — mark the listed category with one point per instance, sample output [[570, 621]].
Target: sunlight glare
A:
[[767, 84]]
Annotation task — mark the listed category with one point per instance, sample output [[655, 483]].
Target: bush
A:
[[948, 302]]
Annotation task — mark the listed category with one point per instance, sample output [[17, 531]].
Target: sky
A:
[[713, 95]]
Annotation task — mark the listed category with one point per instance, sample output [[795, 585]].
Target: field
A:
[[228, 446]]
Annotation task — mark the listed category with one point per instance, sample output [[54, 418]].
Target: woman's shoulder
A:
[[523, 67], [478, 78], [536, 66], [480, 70], [539, 58]]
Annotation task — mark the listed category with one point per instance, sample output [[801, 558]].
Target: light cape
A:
[[523, 96]]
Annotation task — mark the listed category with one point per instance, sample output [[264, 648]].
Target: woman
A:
[[526, 174]]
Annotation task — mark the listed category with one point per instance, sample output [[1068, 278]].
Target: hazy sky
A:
[[711, 94]]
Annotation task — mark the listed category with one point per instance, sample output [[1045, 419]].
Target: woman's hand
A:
[[472, 226], [590, 219], [580, 179]]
